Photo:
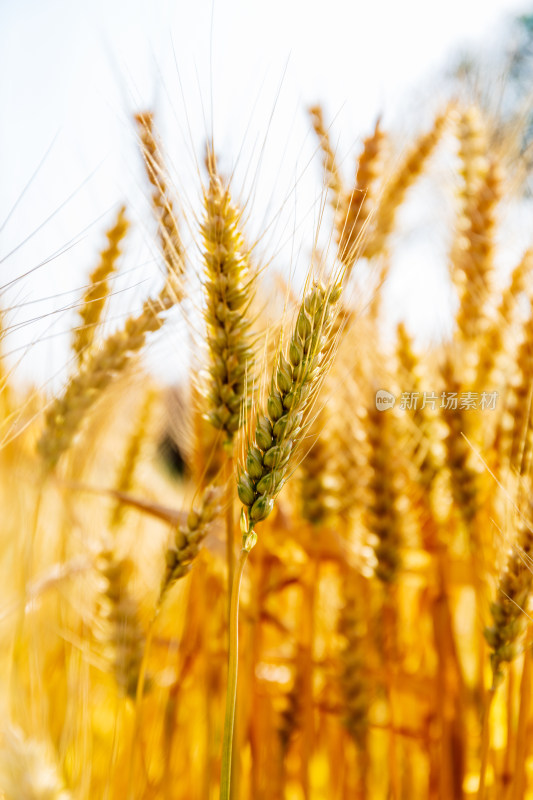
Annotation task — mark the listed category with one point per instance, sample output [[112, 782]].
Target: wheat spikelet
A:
[[509, 609], [294, 382], [169, 235], [97, 292], [26, 769], [397, 187], [228, 294], [65, 416], [333, 179], [125, 476], [356, 208], [188, 538], [123, 636]]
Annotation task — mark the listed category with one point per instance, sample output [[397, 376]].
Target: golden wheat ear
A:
[[509, 608], [354, 624], [169, 235], [474, 260], [97, 292], [228, 292], [495, 346], [356, 208], [123, 638], [396, 188], [66, 414], [188, 538], [331, 170]]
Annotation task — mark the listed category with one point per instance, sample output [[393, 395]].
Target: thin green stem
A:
[[233, 665], [230, 530]]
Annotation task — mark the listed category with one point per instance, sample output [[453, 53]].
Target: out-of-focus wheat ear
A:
[[356, 208], [27, 768], [97, 292], [426, 440], [349, 470], [474, 258], [516, 443], [495, 344], [356, 690], [383, 518], [509, 608], [280, 428], [169, 235], [396, 188], [473, 154], [464, 473], [228, 291], [186, 539], [132, 455], [122, 635], [67, 412], [316, 479], [333, 179]]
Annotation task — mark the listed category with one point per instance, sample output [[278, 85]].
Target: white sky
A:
[[73, 72]]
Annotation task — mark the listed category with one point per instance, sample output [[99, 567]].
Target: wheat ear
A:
[[383, 518], [228, 294], [509, 609], [397, 187], [496, 341], [473, 148], [67, 412], [353, 627], [97, 292], [464, 477], [356, 208], [169, 235], [331, 170], [188, 538], [294, 383], [474, 261], [123, 637]]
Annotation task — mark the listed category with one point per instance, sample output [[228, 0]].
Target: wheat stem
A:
[[230, 529], [233, 666]]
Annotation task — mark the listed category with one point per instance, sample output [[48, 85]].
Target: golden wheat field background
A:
[[261, 536]]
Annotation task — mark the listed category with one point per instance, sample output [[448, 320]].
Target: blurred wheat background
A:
[[286, 400]]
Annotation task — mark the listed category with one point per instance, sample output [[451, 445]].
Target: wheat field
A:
[[356, 507]]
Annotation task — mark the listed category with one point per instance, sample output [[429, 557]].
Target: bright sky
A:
[[74, 72]]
